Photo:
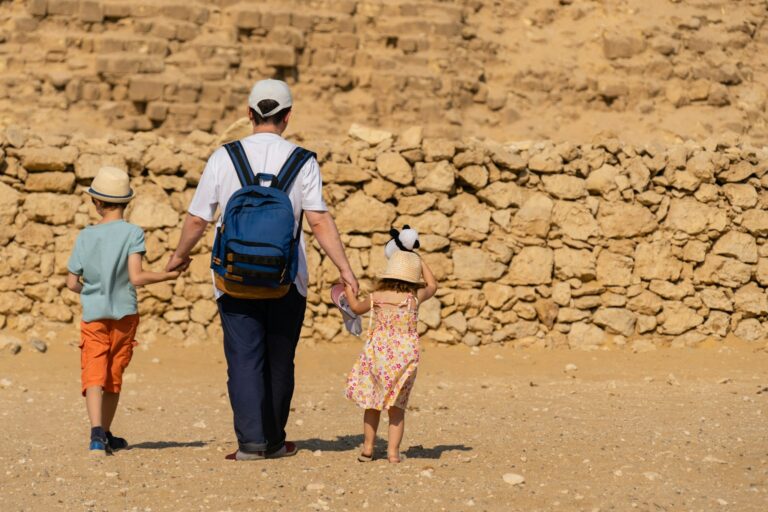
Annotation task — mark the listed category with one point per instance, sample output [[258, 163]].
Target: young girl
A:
[[383, 376]]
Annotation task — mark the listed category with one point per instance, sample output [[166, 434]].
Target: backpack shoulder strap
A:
[[240, 160], [292, 166]]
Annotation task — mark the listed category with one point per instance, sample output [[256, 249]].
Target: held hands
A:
[[177, 265], [350, 282]]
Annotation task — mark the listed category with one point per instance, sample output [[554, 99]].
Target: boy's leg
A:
[[244, 347], [108, 407], [370, 426], [284, 319], [396, 429], [94, 347], [94, 405]]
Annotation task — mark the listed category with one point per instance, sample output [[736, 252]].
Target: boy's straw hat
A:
[[111, 185], [404, 266]]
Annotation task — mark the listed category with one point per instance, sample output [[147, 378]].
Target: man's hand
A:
[[348, 278], [176, 263]]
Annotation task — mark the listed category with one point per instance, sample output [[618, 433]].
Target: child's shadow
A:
[[159, 445], [419, 452]]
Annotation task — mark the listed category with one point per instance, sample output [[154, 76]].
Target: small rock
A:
[[111, 474], [315, 487], [570, 367], [156, 360], [513, 478], [200, 424], [40, 346], [652, 476], [299, 423], [710, 458], [5, 383], [317, 453], [721, 501], [672, 380], [726, 380], [15, 348], [427, 473]]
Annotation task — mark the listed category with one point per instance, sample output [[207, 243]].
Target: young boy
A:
[[107, 256]]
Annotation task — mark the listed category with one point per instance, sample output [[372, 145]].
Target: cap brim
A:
[[108, 198]]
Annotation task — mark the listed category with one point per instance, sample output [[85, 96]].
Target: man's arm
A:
[[191, 233], [324, 229]]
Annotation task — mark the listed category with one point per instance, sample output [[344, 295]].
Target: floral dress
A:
[[384, 374]]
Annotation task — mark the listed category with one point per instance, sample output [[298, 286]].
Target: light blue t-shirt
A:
[[101, 257]]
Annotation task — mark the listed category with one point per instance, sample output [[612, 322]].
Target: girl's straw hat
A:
[[404, 266], [111, 185]]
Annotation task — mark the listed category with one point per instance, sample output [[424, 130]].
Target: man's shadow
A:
[[352, 442], [159, 445]]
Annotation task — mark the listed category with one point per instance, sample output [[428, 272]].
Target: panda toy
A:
[[405, 240]]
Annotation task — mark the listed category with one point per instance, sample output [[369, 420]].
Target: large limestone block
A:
[[497, 294], [334, 172], [435, 177], [546, 312], [34, 235], [370, 135], [563, 186], [150, 212], [438, 149], [701, 166], [429, 313], [576, 263], [440, 263], [472, 264], [61, 182], [471, 220], [51, 208], [751, 300], [603, 179], [739, 171], [716, 298], [741, 195], [724, 271], [645, 303], [87, 164], [622, 44], [615, 320], [761, 271], [574, 220], [502, 194], [476, 176], [692, 217], [362, 214], [392, 166], [756, 221], [47, 158], [741, 246], [161, 159], [750, 329], [432, 222], [534, 216], [655, 260], [531, 266], [672, 291], [614, 269], [679, 318], [9, 204], [625, 220], [584, 336]]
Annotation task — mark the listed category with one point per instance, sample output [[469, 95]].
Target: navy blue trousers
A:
[[260, 338]]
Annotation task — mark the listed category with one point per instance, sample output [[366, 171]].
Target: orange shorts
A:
[[106, 348]]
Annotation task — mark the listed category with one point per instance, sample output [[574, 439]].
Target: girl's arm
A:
[[359, 307], [429, 278], [73, 282], [140, 277]]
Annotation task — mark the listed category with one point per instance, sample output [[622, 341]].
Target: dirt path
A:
[[666, 430]]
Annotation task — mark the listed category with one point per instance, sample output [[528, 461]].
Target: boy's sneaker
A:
[[98, 447], [116, 443]]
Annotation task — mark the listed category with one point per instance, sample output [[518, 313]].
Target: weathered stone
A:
[[476, 265], [563, 186], [724, 271], [9, 204], [678, 318], [585, 336], [546, 311], [741, 195], [367, 134], [645, 323], [750, 329], [61, 182], [476, 176], [574, 220], [431, 222], [34, 235], [362, 214], [761, 271], [497, 294], [625, 220], [429, 313], [655, 260], [456, 322], [750, 300], [622, 44], [715, 298], [471, 220], [695, 250], [502, 194], [570, 315], [561, 293], [603, 179], [534, 216], [203, 311], [47, 158], [645, 303], [434, 177], [394, 167], [548, 161], [717, 324], [741, 246], [692, 217], [438, 149], [739, 171], [615, 320], [574, 263], [672, 291], [51, 208], [531, 266], [756, 221], [150, 213], [614, 269]]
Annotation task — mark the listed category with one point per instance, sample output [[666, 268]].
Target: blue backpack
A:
[[256, 252]]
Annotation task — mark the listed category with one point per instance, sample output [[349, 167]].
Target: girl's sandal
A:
[[364, 458], [395, 459]]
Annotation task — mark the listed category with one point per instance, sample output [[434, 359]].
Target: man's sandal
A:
[[365, 458]]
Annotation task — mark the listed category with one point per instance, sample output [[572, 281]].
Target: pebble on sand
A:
[[570, 367], [315, 487], [513, 478], [40, 346]]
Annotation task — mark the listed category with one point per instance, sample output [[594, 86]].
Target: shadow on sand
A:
[[353, 442], [160, 445]]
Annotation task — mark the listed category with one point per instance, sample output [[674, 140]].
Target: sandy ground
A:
[[670, 430]]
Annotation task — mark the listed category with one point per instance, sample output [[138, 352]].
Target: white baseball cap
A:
[[270, 89]]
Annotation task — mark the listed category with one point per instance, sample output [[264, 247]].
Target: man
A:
[[260, 335]]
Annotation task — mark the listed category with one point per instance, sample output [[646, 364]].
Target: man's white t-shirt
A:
[[267, 152]]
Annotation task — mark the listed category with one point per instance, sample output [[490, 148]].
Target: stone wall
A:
[[533, 243]]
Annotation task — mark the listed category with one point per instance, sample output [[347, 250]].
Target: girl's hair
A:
[[396, 285]]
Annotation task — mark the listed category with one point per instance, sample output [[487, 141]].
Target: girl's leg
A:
[[370, 425], [396, 429], [108, 408], [93, 403]]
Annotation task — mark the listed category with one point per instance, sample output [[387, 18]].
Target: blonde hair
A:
[[395, 285]]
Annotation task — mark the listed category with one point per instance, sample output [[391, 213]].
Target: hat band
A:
[[92, 191]]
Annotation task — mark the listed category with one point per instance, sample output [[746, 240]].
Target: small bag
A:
[[256, 252]]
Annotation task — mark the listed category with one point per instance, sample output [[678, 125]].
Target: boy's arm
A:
[[140, 277], [73, 282], [429, 278], [359, 307]]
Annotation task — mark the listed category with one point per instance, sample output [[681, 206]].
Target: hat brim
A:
[[108, 198], [401, 278]]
